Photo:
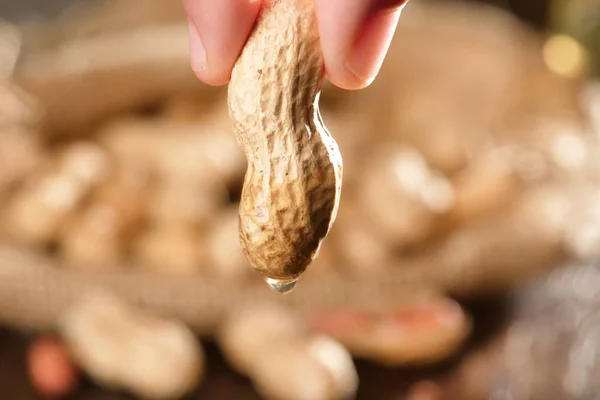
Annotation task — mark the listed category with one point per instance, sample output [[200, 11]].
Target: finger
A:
[[218, 31], [355, 42]]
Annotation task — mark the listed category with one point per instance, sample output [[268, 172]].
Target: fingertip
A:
[[199, 61], [212, 77], [336, 31], [371, 46], [346, 79], [218, 32], [355, 43]]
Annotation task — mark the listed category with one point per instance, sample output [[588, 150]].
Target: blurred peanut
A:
[[100, 234], [283, 360], [312, 369], [198, 152], [401, 196], [93, 238], [357, 244], [38, 211], [247, 334], [487, 185], [494, 253], [187, 203], [225, 257], [124, 348], [174, 248], [428, 329], [86, 161]]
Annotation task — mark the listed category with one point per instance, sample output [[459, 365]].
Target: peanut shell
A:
[[293, 181]]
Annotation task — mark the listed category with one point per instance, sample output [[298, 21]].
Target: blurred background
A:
[[464, 263]]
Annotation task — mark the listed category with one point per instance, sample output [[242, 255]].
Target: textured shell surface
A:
[[293, 182]]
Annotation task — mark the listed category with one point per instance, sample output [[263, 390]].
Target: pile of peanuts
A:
[[159, 192], [428, 155], [466, 158], [152, 191]]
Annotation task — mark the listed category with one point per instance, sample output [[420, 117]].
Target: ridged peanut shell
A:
[[293, 181]]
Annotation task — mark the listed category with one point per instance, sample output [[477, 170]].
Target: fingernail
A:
[[357, 66], [197, 50], [369, 50]]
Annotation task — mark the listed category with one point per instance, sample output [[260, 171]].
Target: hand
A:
[[355, 37]]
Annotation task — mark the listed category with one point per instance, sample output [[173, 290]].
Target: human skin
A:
[[355, 37]]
